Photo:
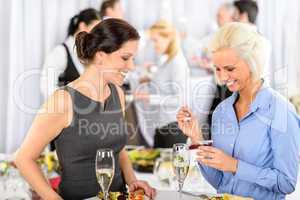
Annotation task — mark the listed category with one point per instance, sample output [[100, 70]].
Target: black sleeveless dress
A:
[[94, 126]]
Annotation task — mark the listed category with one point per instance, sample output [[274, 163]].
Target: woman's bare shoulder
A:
[[59, 106]]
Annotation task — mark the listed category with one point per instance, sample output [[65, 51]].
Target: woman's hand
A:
[[144, 79], [203, 63], [149, 191], [142, 96], [188, 123], [216, 158]]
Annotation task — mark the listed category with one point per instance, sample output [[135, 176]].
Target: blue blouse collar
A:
[[261, 100]]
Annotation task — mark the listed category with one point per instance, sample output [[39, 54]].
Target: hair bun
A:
[[82, 42], [108, 36]]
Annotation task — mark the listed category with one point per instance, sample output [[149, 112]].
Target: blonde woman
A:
[[169, 83], [255, 131]]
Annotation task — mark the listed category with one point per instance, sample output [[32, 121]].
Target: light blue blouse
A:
[[265, 142]]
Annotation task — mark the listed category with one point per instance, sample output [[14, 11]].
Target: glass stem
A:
[[106, 195], [180, 185]]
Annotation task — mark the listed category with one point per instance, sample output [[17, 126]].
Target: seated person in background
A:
[[167, 88], [255, 131], [111, 9], [80, 116]]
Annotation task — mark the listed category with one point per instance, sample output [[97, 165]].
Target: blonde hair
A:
[[251, 46], [166, 30]]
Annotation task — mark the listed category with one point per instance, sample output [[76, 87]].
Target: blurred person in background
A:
[[62, 64], [167, 88], [79, 117], [225, 14], [246, 11], [253, 128], [111, 9]]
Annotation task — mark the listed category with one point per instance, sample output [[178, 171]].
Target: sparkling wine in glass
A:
[[105, 169], [181, 162]]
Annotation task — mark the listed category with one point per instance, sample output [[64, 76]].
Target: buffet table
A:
[[14, 186], [164, 192]]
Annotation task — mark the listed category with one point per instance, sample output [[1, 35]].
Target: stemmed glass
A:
[[181, 162], [105, 169]]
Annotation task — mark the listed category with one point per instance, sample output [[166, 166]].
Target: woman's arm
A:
[[50, 120], [213, 176], [126, 165], [124, 161], [130, 178]]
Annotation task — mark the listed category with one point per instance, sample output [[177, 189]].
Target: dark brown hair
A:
[[86, 16], [105, 5], [247, 6], [107, 36]]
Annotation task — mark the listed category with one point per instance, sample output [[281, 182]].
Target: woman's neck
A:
[[248, 93], [93, 80]]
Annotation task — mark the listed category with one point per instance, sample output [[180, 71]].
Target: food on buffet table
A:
[[50, 161], [143, 160], [114, 196], [4, 168], [227, 197], [137, 195]]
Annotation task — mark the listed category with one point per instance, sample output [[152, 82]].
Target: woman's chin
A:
[[118, 82], [233, 88]]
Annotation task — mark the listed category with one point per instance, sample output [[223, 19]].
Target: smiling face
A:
[[114, 66], [231, 70]]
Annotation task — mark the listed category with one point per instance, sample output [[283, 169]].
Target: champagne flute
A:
[[181, 162], [105, 169]]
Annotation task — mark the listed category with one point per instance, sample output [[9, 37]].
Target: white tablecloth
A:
[[193, 183], [165, 192]]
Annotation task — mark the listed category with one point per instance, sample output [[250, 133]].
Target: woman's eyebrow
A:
[[127, 54], [228, 66], [224, 66]]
